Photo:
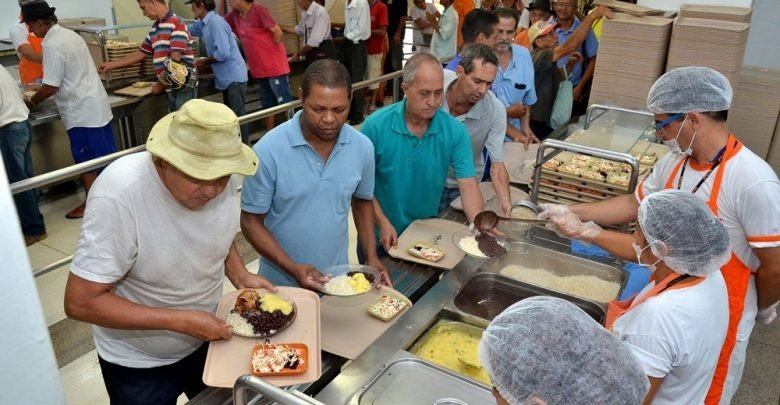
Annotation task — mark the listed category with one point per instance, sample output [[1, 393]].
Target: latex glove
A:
[[767, 315], [551, 210], [569, 226]]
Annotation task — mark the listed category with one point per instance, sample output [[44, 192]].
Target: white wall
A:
[[28, 370], [64, 9], [763, 49]]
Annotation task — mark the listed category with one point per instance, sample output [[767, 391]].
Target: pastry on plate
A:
[[426, 251]]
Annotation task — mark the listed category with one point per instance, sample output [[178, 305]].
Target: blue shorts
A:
[[274, 91], [91, 143]]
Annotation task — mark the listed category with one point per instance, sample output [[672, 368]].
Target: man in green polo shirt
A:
[[415, 144]]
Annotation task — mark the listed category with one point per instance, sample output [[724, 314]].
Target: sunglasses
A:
[[659, 126]]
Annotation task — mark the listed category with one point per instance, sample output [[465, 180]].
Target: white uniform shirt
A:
[[67, 64], [486, 126], [314, 25], [416, 13], [748, 206], [12, 107], [444, 44], [157, 252], [357, 20], [677, 335]]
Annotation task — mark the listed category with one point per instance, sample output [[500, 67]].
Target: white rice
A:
[[521, 212], [585, 286], [239, 325], [339, 285], [470, 245]]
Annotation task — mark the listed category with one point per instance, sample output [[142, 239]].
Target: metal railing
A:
[[249, 382], [80, 168]]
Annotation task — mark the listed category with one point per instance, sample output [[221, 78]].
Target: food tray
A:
[[347, 327], [300, 347], [435, 231], [226, 360], [491, 199], [520, 161]]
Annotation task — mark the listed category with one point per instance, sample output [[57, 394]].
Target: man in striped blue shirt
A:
[[224, 58]]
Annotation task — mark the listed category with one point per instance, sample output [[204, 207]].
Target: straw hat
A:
[[203, 140]]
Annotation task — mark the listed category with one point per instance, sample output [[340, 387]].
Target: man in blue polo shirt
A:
[[294, 211], [224, 58], [514, 84], [582, 72], [415, 144]]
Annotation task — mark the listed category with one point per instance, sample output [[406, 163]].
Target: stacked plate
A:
[[725, 13], [147, 67], [754, 111], [716, 44], [632, 55], [117, 50]]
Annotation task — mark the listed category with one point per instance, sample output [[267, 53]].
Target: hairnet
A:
[[689, 89], [548, 348], [696, 243]]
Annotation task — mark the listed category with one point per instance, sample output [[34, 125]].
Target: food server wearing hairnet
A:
[[690, 107], [676, 325], [545, 350]]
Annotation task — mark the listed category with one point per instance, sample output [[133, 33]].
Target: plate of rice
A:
[[260, 313], [479, 245], [351, 279]]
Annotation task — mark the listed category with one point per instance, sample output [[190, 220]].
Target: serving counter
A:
[[436, 298]]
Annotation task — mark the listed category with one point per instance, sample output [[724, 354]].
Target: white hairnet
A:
[[688, 238], [548, 348], [689, 89]]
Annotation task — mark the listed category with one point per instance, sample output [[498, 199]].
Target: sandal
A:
[[77, 212]]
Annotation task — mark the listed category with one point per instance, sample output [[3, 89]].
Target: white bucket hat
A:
[[203, 140]]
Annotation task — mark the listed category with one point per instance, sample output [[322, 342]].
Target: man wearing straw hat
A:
[[155, 246]]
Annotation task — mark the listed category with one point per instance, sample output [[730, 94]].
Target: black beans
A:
[[264, 323]]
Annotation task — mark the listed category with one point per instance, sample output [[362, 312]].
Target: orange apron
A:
[[616, 309], [30, 71], [735, 273]]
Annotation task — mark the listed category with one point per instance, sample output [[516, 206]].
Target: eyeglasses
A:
[[659, 126]]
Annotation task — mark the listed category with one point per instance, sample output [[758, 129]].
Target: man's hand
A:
[[530, 137], [201, 63], [388, 236], [577, 92], [246, 279], [295, 57], [309, 277], [158, 88], [376, 263], [105, 67], [203, 326], [397, 38]]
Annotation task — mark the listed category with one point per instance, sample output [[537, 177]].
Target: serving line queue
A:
[[114, 286]]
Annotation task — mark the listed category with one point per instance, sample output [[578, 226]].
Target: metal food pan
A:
[[559, 263], [486, 295]]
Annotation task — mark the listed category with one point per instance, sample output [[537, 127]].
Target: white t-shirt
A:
[[416, 13], [748, 207], [67, 64], [444, 44], [157, 252], [12, 107], [18, 33], [677, 335]]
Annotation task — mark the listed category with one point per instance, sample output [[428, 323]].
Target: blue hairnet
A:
[[683, 232], [689, 89], [548, 348]]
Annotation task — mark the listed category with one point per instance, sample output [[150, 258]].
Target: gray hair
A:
[[414, 63], [475, 52]]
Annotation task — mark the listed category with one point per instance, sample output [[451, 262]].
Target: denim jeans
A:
[[234, 96], [177, 98], [15, 142], [447, 197], [157, 385]]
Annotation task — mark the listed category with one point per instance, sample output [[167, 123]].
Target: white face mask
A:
[[638, 250], [674, 146]]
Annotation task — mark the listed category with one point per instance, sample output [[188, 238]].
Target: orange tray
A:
[[300, 347]]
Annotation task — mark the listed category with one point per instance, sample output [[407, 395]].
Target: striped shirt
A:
[[166, 36]]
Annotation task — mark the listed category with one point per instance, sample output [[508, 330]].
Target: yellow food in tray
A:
[[454, 348]]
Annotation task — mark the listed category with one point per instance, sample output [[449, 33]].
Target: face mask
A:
[[674, 146], [638, 251]]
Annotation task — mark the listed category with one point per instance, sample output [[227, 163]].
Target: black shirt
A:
[[396, 9]]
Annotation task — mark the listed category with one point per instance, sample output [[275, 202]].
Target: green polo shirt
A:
[[411, 171]]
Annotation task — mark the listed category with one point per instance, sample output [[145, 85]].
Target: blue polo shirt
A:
[[453, 64], [516, 84], [588, 49], [307, 200], [411, 171], [220, 45]]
